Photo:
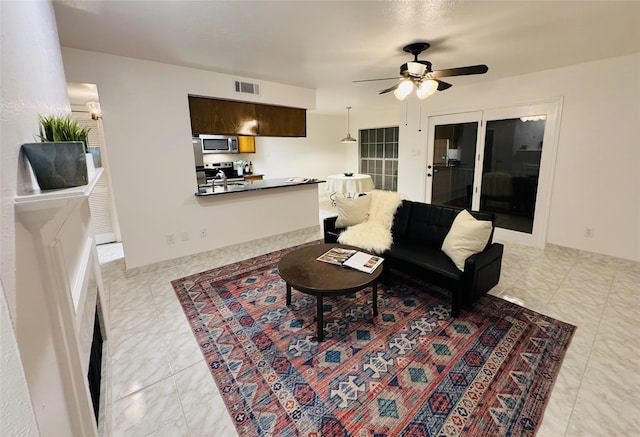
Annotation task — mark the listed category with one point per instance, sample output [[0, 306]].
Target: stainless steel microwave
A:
[[219, 143]]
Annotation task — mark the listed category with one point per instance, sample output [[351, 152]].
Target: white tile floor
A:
[[162, 387]]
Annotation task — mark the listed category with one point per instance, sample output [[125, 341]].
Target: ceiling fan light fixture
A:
[[404, 89], [416, 69], [426, 88], [348, 139], [399, 95]]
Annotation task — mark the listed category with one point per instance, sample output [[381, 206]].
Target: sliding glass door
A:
[[511, 170], [499, 161]]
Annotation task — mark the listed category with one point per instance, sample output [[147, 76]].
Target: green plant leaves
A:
[[62, 128]]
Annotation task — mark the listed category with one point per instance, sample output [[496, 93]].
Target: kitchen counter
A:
[[238, 187]]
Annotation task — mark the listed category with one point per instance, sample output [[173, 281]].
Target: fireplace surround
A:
[[60, 308]]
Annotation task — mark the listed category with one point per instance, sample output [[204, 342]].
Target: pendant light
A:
[[348, 139]]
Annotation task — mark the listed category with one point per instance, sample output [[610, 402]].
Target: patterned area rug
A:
[[412, 372]]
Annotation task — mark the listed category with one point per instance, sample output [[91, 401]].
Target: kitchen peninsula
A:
[[254, 211], [267, 184]]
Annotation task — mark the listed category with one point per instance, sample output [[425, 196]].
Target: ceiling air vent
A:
[[247, 87]]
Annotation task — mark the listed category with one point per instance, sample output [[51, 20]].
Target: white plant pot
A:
[[90, 165]]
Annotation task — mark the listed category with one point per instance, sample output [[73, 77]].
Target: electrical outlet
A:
[[171, 238], [203, 233], [184, 236], [588, 232]]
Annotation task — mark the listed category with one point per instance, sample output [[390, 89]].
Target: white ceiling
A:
[[327, 44]]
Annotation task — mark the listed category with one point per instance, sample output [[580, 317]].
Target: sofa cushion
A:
[[467, 237], [352, 211], [401, 220], [430, 223], [426, 257]]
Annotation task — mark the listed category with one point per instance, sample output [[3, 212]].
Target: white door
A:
[[103, 220], [500, 161]]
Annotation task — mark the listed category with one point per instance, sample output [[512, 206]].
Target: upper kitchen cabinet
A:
[[246, 144], [281, 121], [215, 116]]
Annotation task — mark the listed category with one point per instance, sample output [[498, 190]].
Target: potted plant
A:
[[57, 128], [59, 161]]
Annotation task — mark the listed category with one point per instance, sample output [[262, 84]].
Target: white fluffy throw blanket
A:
[[374, 234]]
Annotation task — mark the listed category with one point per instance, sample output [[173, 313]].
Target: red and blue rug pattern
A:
[[413, 371]]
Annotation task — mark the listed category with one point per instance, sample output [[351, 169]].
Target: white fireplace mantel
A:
[[59, 287]]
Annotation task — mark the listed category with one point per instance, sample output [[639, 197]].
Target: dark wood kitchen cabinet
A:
[[216, 116], [213, 116], [281, 121]]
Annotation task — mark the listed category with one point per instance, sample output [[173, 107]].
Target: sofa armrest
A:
[[482, 270], [331, 233], [330, 223]]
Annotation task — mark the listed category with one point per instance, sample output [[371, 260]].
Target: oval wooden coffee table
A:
[[301, 270]]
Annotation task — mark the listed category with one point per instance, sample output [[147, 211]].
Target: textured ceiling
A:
[[327, 44]]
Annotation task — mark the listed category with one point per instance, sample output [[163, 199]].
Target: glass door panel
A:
[[510, 171], [452, 159]]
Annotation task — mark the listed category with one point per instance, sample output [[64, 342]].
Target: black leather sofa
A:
[[418, 232]]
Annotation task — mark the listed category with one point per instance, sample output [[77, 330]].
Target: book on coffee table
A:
[[355, 259], [336, 255]]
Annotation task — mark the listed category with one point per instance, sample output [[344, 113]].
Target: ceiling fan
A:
[[419, 74]]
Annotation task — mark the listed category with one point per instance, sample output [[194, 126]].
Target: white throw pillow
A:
[[352, 211], [466, 237]]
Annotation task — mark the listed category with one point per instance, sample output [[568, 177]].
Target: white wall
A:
[[595, 183], [148, 137], [317, 156], [16, 413], [32, 82]]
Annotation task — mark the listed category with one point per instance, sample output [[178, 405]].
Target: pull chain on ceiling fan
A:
[[419, 75]]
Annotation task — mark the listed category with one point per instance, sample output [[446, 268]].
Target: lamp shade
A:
[[426, 88], [348, 139], [404, 89]]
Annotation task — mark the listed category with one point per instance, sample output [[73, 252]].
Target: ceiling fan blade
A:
[[443, 85], [460, 71], [389, 89], [384, 78]]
